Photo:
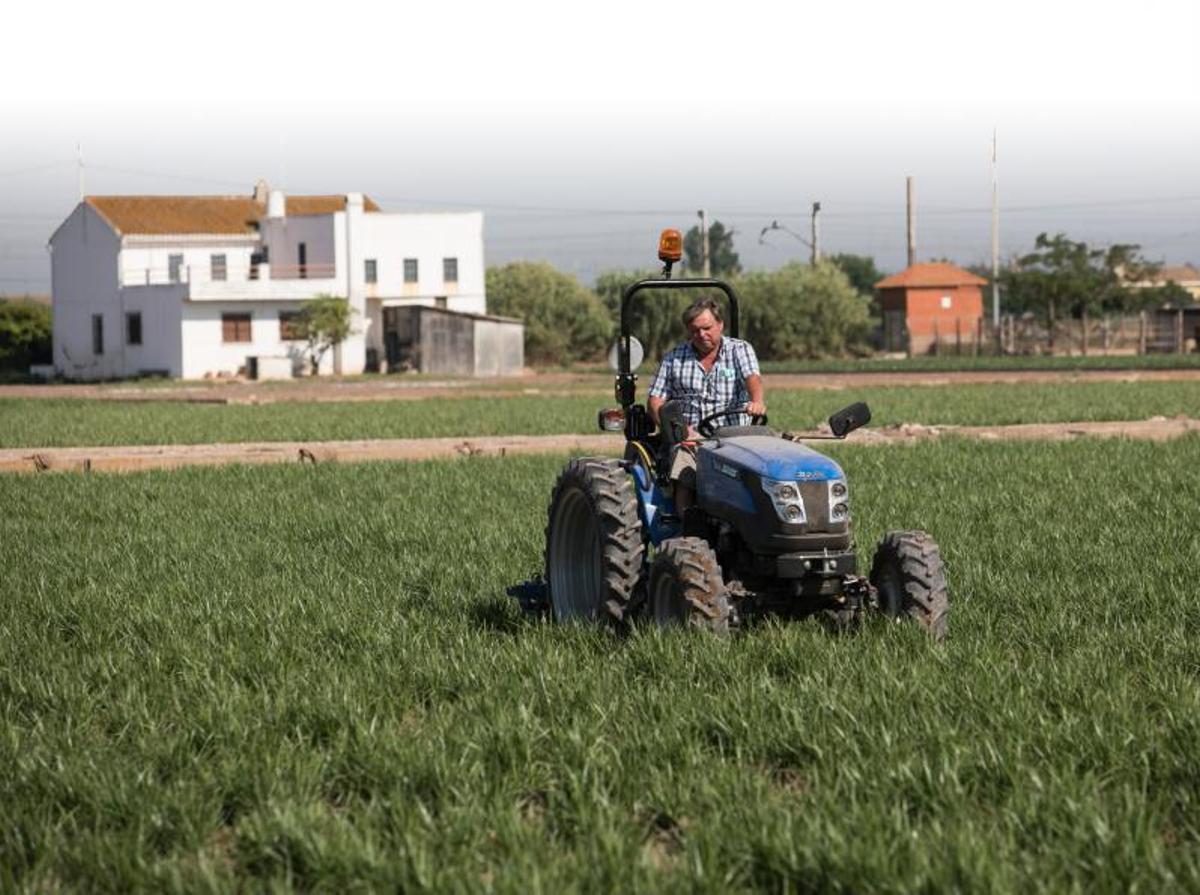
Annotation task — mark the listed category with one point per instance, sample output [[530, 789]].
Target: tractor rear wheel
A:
[[594, 548], [908, 574], [686, 587]]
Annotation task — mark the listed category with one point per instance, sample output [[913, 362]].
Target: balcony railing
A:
[[203, 273]]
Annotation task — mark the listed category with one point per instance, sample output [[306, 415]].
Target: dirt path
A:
[[399, 388], [115, 459]]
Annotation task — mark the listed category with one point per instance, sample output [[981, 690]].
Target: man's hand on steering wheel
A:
[[756, 409]]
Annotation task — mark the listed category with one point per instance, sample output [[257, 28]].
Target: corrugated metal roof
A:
[[932, 274]]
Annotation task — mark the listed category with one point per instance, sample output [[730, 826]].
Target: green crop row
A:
[[48, 423], [311, 677]]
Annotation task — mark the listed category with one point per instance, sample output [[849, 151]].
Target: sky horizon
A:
[[582, 135]]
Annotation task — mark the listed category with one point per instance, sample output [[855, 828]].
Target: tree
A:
[[1061, 276], [860, 270], [655, 317], [25, 334], [324, 321], [564, 321], [722, 259], [803, 311]]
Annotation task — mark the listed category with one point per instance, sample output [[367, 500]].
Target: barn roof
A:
[[224, 215], [932, 275]]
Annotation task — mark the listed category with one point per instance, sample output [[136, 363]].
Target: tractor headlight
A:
[[839, 505], [785, 497]]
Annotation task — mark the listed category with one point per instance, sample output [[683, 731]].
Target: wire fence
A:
[[1167, 331]]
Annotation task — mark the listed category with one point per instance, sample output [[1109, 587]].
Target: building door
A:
[[402, 338], [895, 336]]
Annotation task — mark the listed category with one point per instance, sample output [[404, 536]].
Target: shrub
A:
[[564, 321], [800, 311], [25, 334]]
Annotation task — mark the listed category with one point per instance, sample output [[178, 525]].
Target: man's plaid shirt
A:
[[681, 377]]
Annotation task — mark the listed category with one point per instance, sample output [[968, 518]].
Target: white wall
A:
[[205, 352], [161, 308], [144, 263], [283, 236], [390, 238], [83, 277]]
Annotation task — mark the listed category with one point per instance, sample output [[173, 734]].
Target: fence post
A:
[[978, 335], [1141, 332], [1179, 345], [937, 338], [1104, 335], [958, 337], [1083, 325]]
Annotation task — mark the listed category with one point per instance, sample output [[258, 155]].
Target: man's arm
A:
[[754, 384], [758, 397], [660, 388]]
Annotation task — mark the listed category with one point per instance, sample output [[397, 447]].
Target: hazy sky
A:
[[583, 129]]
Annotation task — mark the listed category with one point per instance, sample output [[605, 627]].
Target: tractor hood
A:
[[770, 457], [732, 476]]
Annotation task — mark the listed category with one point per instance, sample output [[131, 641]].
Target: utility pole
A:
[[912, 225], [816, 235], [705, 265], [79, 168], [995, 241]]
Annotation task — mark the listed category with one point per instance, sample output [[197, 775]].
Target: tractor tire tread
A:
[[613, 501], [693, 565], [917, 561]]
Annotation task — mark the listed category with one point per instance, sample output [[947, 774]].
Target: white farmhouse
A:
[[192, 286]]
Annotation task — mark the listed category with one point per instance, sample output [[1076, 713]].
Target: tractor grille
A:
[[816, 507]]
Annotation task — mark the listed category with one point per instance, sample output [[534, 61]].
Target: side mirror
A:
[[848, 419], [636, 354], [611, 419]]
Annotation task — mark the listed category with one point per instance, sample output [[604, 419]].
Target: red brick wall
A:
[[926, 316]]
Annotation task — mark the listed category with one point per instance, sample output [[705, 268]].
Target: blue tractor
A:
[[768, 532]]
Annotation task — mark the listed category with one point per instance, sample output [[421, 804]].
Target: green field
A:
[[948, 362], [49, 423], [310, 677]]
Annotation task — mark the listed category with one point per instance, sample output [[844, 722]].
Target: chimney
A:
[[276, 205], [354, 201], [260, 192]]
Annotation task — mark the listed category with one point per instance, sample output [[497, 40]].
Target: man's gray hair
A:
[[698, 307]]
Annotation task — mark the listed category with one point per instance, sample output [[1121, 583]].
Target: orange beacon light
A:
[[670, 246]]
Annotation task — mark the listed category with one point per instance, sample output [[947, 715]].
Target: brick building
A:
[[927, 303]]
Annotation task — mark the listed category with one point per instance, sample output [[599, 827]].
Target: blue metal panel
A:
[[772, 458], [652, 505], [721, 482]]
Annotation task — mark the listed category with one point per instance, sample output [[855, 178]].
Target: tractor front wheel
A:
[[686, 587], [908, 574], [594, 547]]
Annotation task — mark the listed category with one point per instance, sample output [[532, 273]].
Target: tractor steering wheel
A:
[[705, 426]]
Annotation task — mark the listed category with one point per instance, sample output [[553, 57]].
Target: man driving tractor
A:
[[705, 374]]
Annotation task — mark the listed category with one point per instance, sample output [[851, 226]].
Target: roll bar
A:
[[625, 376]]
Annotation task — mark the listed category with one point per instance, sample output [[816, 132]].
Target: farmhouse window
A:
[[302, 258], [289, 326], [235, 328], [97, 334], [410, 270], [174, 268], [219, 270], [450, 270], [370, 271], [133, 328]]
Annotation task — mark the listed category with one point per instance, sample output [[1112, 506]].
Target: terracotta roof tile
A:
[[222, 215], [1182, 274], [932, 274]]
